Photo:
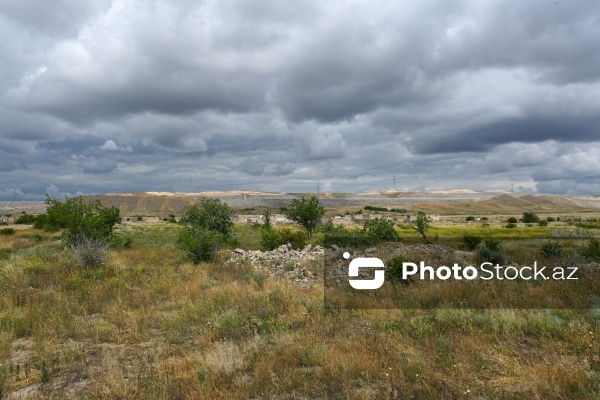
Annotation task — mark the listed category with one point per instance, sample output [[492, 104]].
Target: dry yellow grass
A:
[[149, 325]]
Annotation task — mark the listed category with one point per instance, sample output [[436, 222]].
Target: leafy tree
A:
[[422, 223], [210, 214], [530, 217], [81, 220], [381, 228], [306, 212]]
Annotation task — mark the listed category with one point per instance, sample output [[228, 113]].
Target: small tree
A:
[[306, 212], [422, 223]]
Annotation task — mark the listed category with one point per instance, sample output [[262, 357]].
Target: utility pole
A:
[[394, 183], [190, 183], [512, 187], [318, 188], [14, 194]]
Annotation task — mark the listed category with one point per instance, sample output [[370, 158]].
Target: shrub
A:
[[543, 223], [26, 219], [7, 231], [530, 217], [512, 220], [550, 219], [294, 237], [271, 239], [592, 250], [552, 249], [471, 240], [199, 243], [485, 254], [492, 244], [394, 270], [510, 225], [381, 229], [90, 252], [470, 218]]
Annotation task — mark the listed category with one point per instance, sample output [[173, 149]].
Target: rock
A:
[[306, 248], [240, 251], [370, 250], [334, 247]]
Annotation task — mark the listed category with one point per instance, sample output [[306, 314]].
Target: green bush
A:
[[510, 225], [7, 231], [208, 225], [492, 244], [530, 217], [512, 220], [81, 220], [394, 270], [470, 218], [271, 239], [550, 219], [592, 250], [296, 238], [543, 223], [199, 244], [485, 254], [381, 228], [471, 240], [552, 249], [26, 219], [210, 214]]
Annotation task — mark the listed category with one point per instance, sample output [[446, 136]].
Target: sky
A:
[[107, 96]]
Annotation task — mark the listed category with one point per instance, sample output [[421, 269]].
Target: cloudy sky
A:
[[150, 95]]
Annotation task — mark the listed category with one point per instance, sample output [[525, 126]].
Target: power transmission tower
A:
[[318, 188], [394, 183], [14, 194]]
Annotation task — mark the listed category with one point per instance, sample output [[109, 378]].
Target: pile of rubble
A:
[[306, 265], [300, 266]]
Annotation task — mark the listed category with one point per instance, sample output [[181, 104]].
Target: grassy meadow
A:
[[150, 325]]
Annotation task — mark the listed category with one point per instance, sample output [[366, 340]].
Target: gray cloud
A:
[[142, 95]]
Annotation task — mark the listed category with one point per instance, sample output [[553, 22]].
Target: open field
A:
[[148, 324]]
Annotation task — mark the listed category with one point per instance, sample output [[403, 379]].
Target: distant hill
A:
[[462, 203]]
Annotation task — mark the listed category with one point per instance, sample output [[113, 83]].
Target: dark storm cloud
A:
[[527, 130], [145, 94]]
